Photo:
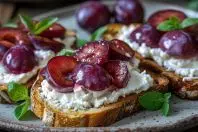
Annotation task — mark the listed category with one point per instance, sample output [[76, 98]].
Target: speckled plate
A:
[[183, 116]]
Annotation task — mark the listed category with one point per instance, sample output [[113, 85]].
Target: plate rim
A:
[[14, 125]]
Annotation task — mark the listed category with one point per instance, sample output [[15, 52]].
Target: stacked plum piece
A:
[[96, 66], [179, 43], [17, 46]]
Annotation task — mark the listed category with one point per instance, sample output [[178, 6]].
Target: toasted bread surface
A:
[[102, 116], [184, 89]]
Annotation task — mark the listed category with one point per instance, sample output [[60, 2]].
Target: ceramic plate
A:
[[183, 116]]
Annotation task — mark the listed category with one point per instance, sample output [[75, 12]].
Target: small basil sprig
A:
[[37, 28], [80, 42], [98, 33], [174, 23], [66, 52], [94, 36], [156, 101], [19, 94]]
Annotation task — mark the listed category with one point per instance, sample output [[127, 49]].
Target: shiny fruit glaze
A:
[[4, 46], [96, 52], [58, 70], [128, 11], [42, 43], [92, 77], [15, 36], [119, 72], [146, 34], [19, 59], [178, 44], [92, 15], [119, 50]]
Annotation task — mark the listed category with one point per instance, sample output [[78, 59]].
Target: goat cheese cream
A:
[[43, 58], [186, 68], [82, 99]]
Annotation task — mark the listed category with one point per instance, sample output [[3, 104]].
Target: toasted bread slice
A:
[[101, 116], [184, 89], [71, 36]]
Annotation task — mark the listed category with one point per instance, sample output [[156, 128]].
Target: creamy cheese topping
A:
[[43, 57], [82, 99], [188, 68]]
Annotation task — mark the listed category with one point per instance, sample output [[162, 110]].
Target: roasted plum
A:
[[92, 77], [19, 59], [92, 15], [119, 72], [119, 50], [178, 44], [54, 31], [96, 52], [45, 43], [58, 71], [128, 11], [162, 15], [14, 35], [146, 34], [4, 46]]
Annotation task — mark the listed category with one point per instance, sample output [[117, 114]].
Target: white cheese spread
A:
[[188, 68], [43, 57], [82, 99]]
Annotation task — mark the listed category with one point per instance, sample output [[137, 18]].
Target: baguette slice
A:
[[103, 116], [184, 89], [4, 98]]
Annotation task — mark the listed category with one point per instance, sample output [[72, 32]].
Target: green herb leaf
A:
[[165, 109], [10, 24], [43, 25], [27, 21], [189, 22], [152, 100], [172, 24], [21, 109], [66, 52], [167, 96], [17, 92], [98, 33], [80, 42]]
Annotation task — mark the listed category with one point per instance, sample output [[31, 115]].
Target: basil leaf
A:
[[43, 25], [166, 106], [27, 21], [189, 22], [10, 24], [167, 96], [165, 109], [66, 52], [80, 42], [152, 100], [17, 92], [98, 33], [21, 109], [172, 24]]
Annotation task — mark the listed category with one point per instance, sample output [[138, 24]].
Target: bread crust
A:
[[103, 116], [184, 89]]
